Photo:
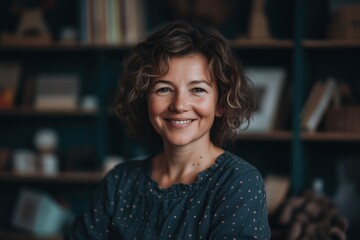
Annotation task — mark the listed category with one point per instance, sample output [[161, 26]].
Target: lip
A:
[[180, 123]]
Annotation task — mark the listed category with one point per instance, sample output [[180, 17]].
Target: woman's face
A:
[[183, 103]]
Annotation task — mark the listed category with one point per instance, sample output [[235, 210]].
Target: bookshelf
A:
[[328, 44], [262, 43], [331, 137], [299, 46], [268, 136], [8, 235], [321, 153], [63, 177], [65, 47], [31, 112]]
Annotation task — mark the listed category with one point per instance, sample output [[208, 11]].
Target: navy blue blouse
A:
[[226, 202]]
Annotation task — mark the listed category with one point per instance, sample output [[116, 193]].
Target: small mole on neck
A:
[[200, 157]]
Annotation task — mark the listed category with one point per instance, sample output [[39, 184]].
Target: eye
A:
[[163, 91], [198, 91]]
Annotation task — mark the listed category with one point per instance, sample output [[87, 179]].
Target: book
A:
[[311, 101], [9, 81], [114, 21], [134, 20], [317, 104], [102, 21], [56, 92]]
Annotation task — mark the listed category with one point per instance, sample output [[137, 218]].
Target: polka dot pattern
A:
[[226, 202]]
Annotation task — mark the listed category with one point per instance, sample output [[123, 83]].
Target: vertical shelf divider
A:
[[103, 109], [298, 164]]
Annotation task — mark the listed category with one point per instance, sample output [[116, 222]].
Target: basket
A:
[[344, 119]]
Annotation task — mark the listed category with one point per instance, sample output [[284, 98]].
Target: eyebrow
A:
[[193, 82]]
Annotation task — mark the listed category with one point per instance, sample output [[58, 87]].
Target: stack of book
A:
[[56, 92], [112, 21]]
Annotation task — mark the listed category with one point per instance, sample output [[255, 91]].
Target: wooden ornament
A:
[[32, 29], [258, 28]]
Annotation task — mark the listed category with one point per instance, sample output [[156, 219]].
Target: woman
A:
[[183, 86]]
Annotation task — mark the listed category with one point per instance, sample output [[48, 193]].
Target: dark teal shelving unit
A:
[[300, 47]]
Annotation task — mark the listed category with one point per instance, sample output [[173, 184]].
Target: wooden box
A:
[[345, 23], [344, 119]]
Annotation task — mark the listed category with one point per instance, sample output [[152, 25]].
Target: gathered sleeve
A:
[[96, 222], [240, 209]]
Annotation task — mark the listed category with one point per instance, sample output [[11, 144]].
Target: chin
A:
[[177, 141]]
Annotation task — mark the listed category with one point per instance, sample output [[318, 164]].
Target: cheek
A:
[[206, 106], [155, 107]]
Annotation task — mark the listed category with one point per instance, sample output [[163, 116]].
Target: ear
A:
[[219, 112]]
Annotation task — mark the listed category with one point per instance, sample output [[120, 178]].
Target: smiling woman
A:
[[182, 107], [183, 86]]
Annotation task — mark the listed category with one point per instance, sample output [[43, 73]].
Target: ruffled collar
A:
[[180, 189]]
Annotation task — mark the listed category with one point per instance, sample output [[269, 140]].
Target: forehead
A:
[[193, 58], [193, 67]]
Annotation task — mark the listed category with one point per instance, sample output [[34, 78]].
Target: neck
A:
[[187, 155], [182, 164]]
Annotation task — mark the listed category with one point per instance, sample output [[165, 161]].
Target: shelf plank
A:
[[29, 111], [64, 177], [266, 136], [64, 46], [331, 43], [238, 43], [331, 136], [261, 43], [10, 235]]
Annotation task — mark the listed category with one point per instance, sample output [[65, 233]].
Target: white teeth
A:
[[181, 122]]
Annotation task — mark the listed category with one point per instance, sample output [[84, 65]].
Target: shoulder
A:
[[122, 176], [131, 165], [235, 173], [236, 166], [128, 169], [240, 198]]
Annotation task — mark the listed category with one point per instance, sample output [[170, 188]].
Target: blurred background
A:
[[60, 61]]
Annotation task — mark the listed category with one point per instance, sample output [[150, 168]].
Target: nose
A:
[[179, 103]]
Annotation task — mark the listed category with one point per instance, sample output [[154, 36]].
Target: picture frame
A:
[[268, 84]]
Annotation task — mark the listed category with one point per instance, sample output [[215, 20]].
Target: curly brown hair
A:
[[150, 59]]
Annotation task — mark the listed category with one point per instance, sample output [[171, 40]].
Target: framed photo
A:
[[268, 83]]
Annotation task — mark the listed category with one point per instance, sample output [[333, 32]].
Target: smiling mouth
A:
[[180, 122]]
